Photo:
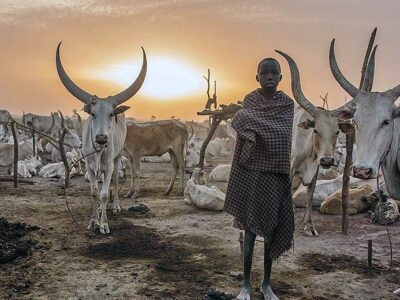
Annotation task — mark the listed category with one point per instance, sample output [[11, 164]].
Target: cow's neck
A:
[[391, 164]]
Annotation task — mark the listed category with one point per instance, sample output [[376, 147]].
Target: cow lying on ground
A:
[[333, 204], [57, 170], [325, 188], [220, 147], [25, 150], [199, 194], [221, 173], [27, 167]]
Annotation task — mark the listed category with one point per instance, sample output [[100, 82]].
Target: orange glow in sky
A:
[[183, 38]]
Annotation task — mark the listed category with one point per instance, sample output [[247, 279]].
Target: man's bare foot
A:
[[266, 290], [245, 292]]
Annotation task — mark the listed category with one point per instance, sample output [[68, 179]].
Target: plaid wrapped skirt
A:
[[262, 204]]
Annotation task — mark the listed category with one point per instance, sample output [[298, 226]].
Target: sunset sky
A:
[[102, 40]]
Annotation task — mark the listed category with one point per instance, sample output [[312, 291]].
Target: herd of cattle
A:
[[108, 143]]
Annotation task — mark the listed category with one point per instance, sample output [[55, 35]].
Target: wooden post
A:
[[62, 151], [14, 133], [214, 124], [369, 254], [33, 137], [346, 181]]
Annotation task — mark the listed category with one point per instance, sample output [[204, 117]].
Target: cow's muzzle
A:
[[362, 173], [327, 162], [101, 139]]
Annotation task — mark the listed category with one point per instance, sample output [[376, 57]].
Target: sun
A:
[[167, 77]]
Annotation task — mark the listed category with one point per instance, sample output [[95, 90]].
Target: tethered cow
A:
[[315, 133], [103, 136], [313, 144], [154, 139], [377, 127]]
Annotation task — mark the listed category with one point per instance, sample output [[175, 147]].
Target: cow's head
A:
[[198, 176], [102, 111], [372, 113], [325, 128]]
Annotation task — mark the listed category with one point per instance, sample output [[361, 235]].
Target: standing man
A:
[[259, 188]]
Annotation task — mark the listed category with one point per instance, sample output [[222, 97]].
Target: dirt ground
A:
[[176, 251]]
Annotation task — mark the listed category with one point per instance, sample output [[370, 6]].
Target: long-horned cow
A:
[[313, 143], [103, 136], [154, 139], [315, 133], [377, 127]]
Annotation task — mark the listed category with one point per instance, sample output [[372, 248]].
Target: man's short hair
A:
[[268, 59]]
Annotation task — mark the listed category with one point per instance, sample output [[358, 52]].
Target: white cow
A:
[[202, 196], [221, 173], [27, 167], [103, 136], [57, 170], [377, 128], [220, 147], [25, 150]]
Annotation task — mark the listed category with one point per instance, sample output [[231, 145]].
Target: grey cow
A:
[[103, 136], [377, 126]]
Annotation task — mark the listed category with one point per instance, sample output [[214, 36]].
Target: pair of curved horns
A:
[[85, 97]]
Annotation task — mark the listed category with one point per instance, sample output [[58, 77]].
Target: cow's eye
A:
[[315, 131], [111, 115], [337, 132], [94, 117], [386, 122]]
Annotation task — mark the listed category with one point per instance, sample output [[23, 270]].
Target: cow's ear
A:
[[120, 109], [396, 113], [345, 113], [306, 124], [86, 109]]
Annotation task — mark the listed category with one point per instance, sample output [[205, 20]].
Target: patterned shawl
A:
[[264, 130]]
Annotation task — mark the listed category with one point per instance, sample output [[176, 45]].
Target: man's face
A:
[[269, 74]]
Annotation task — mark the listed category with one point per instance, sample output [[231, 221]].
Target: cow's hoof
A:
[[129, 195], [167, 193], [93, 224], [104, 229], [116, 210], [179, 194], [309, 230], [136, 195]]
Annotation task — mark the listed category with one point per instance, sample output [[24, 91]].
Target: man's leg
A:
[[266, 284], [249, 239]]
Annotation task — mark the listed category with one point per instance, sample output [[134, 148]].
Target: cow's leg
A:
[[116, 207], [134, 191], [175, 168], [309, 228], [104, 194], [94, 191], [181, 161], [135, 175]]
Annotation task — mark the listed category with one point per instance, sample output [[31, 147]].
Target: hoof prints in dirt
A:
[[12, 245], [179, 268]]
